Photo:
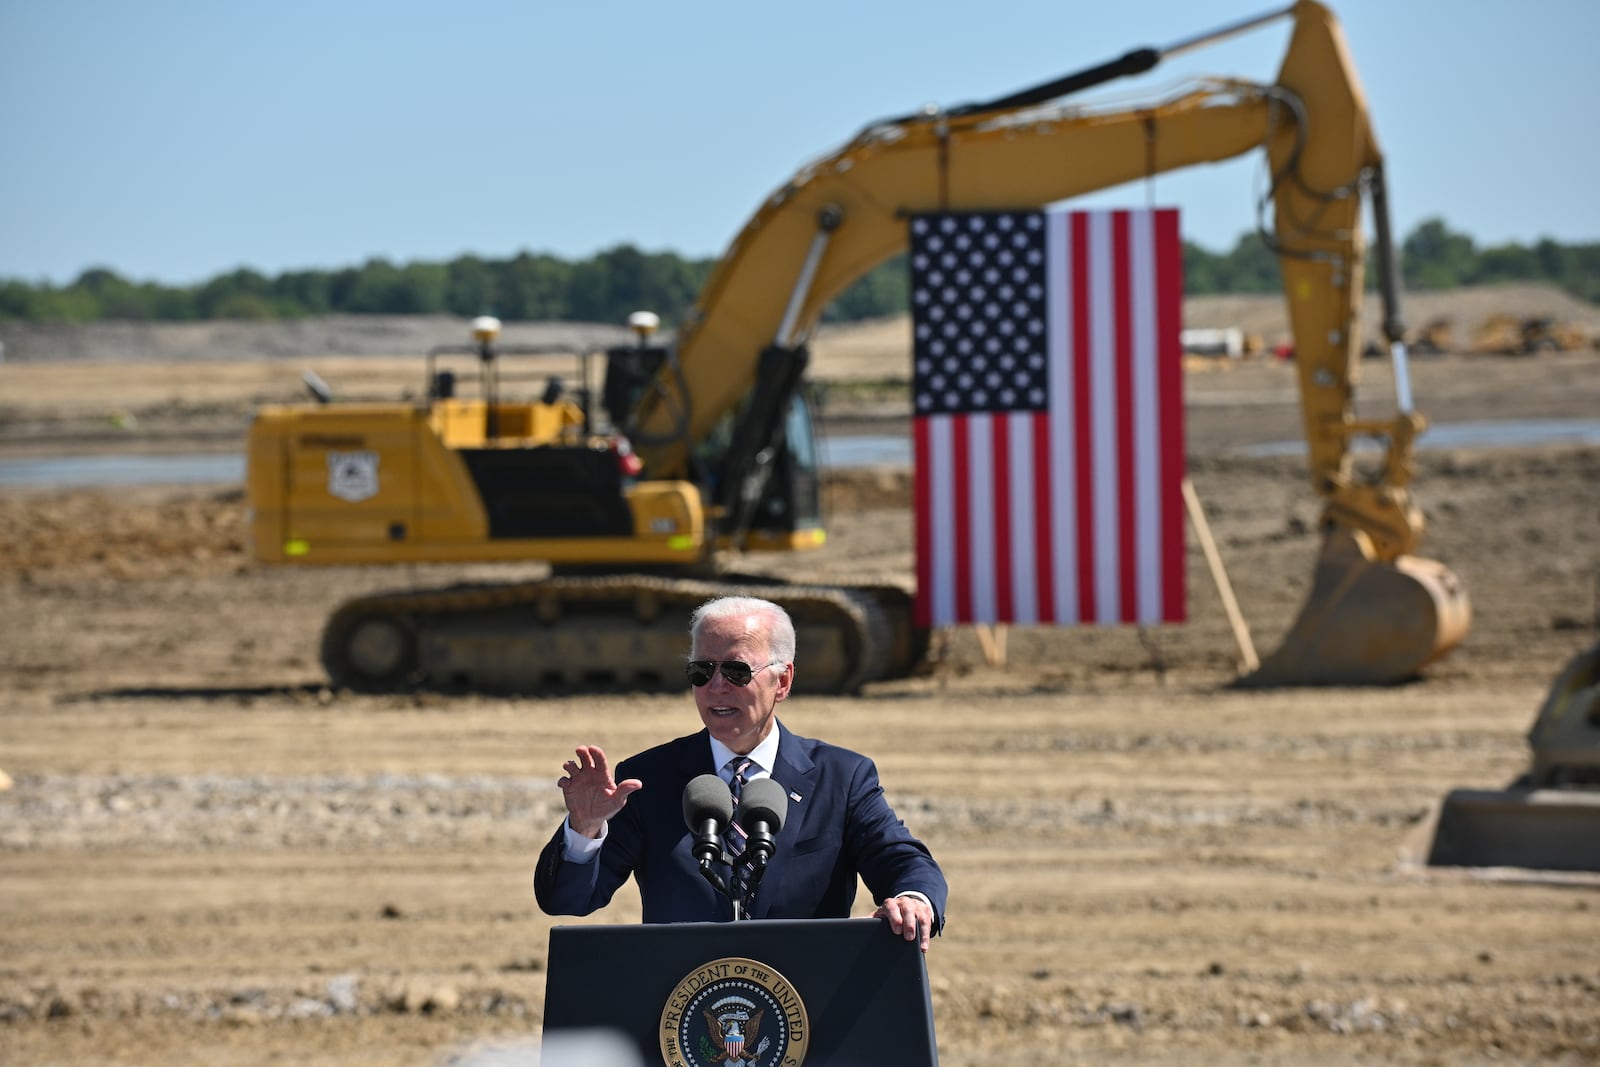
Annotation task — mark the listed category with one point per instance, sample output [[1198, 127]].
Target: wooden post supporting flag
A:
[[993, 641], [1241, 633]]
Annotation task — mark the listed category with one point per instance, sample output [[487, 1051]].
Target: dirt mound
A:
[[154, 533], [1468, 308], [144, 534]]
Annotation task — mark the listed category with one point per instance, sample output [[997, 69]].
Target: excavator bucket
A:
[[1536, 829], [1368, 622], [1549, 819]]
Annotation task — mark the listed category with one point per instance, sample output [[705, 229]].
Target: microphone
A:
[[761, 810], [708, 809]]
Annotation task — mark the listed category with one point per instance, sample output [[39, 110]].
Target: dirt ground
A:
[[211, 858]]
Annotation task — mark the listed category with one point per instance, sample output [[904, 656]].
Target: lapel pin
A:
[[794, 796]]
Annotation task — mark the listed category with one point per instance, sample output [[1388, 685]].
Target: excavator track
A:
[[614, 632]]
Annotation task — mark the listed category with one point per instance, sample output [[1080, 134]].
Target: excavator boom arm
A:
[[844, 214], [1375, 613], [857, 199]]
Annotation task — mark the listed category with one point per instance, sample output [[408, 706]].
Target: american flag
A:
[[1048, 417]]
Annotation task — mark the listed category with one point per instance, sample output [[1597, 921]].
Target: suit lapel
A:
[[796, 772]]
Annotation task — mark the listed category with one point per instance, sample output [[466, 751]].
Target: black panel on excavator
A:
[[550, 492], [629, 371]]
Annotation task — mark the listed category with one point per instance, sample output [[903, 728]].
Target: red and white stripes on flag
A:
[[1048, 417]]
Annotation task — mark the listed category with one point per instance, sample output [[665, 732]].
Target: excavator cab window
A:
[[756, 478], [789, 471], [791, 499], [629, 371], [803, 479]]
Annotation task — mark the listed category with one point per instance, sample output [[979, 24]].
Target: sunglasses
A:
[[736, 671]]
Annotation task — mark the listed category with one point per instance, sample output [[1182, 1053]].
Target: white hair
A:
[[780, 629]]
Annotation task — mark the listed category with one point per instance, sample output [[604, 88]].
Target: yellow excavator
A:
[[1527, 335], [703, 449]]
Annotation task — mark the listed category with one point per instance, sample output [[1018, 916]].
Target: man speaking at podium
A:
[[801, 820]]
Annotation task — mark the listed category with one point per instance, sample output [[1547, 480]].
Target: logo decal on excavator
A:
[[353, 476]]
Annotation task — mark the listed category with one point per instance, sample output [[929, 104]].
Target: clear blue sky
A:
[[173, 140]]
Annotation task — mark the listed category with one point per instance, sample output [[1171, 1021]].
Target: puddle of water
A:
[[841, 453], [82, 472], [78, 472], [849, 453], [1518, 433]]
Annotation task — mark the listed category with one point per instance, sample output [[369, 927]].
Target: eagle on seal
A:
[[737, 1035]]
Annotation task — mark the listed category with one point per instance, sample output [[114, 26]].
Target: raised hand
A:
[[592, 797]]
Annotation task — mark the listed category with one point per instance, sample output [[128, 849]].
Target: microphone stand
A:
[[708, 855], [758, 870], [710, 873], [761, 812]]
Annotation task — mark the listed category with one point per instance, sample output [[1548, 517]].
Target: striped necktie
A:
[[736, 838]]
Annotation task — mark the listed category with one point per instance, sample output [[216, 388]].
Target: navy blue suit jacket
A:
[[840, 826]]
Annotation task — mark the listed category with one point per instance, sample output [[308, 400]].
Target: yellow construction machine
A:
[[1527, 335], [1432, 338], [701, 450], [1549, 818]]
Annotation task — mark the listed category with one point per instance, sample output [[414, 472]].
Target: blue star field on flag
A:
[[978, 299]]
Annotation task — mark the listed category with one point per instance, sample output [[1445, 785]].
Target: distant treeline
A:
[[609, 286]]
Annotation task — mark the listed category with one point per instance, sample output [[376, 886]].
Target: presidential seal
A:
[[734, 1012]]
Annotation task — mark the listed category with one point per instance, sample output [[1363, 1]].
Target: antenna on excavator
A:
[[643, 324]]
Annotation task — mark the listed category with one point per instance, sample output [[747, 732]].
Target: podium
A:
[[759, 993]]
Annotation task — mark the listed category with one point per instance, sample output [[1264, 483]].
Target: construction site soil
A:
[[209, 857]]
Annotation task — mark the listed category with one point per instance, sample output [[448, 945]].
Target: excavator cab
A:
[[758, 466], [766, 497]]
